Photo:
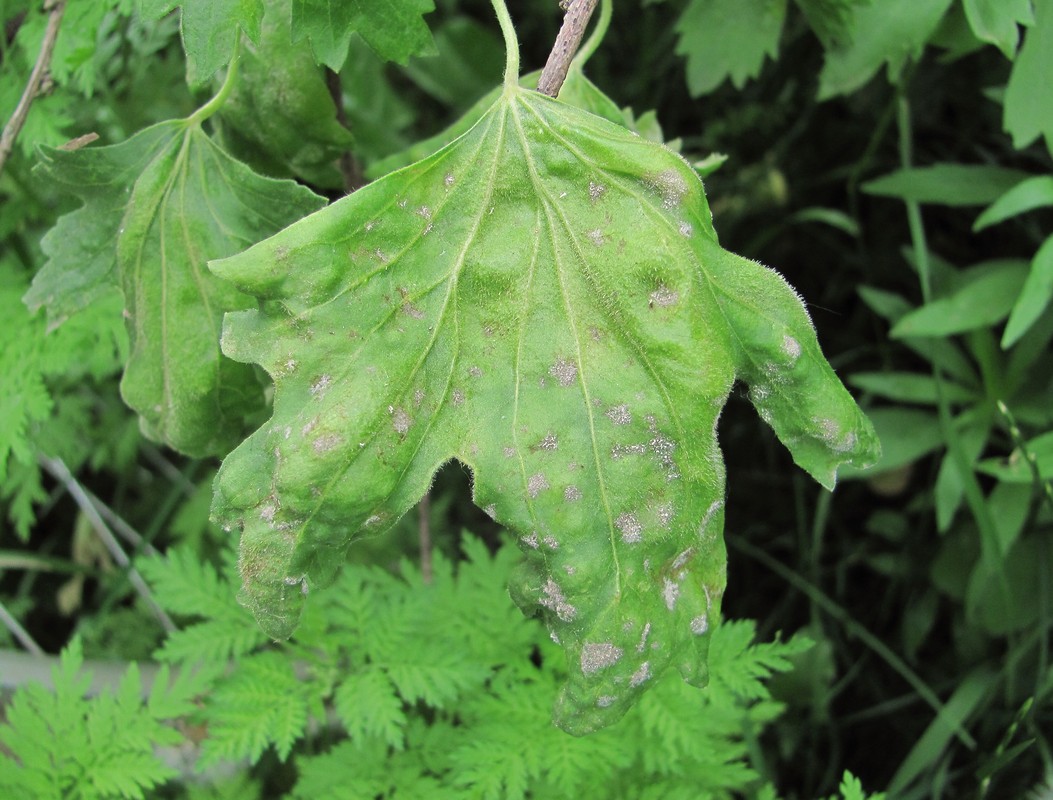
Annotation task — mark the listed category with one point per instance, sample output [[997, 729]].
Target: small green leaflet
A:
[[1028, 107], [543, 299], [209, 29], [728, 38], [394, 29], [156, 208]]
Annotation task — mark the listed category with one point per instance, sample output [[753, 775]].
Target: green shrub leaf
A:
[[997, 21], [947, 184], [1028, 105], [728, 39], [156, 208], [544, 300], [394, 30]]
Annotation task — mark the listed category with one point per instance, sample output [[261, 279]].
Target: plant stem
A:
[[60, 472], [55, 9], [350, 168], [424, 534], [220, 98], [19, 632], [570, 35], [508, 31]]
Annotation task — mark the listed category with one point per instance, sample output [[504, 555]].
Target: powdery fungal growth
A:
[[622, 450], [685, 229], [596, 191], [606, 700], [553, 599], [619, 415], [418, 397], [321, 386], [530, 541], [475, 372], [400, 421], [597, 656], [564, 371], [510, 452], [596, 237], [664, 296], [572, 494], [536, 484], [323, 444], [670, 592], [550, 442], [630, 528], [664, 513], [550, 542], [700, 624], [791, 347], [671, 186], [457, 397], [448, 180], [268, 511], [642, 674], [643, 638]]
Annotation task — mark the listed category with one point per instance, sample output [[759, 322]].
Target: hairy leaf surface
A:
[[156, 208], [545, 300]]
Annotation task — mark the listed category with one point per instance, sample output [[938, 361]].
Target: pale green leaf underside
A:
[[545, 300], [157, 208]]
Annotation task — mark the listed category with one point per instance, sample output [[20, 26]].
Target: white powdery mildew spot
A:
[[424, 212], [670, 593], [448, 180], [630, 528], [569, 569], [552, 598], [685, 229], [323, 444], [564, 371], [536, 484], [412, 311], [572, 494], [620, 415], [830, 433], [550, 442], [596, 237], [418, 397], [700, 624], [597, 656], [530, 541], [400, 421], [373, 520], [457, 397], [606, 700], [596, 191], [642, 674], [475, 372], [664, 513], [682, 559], [321, 386], [643, 638], [509, 452], [268, 511], [491, 511], [791, 347], [672, 187], [550, 542], [714, 507], [664, 296], [622, 450]]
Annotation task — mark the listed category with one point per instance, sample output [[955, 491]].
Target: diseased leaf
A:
[[280, 117], [886, 32], [209, 29], [728, 39], [394, 29], [156, 208], [1028, 103], [997, 21], [544, 300]]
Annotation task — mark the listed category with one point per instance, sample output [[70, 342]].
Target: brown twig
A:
[[567, 42], [350, 169], [55, 9]]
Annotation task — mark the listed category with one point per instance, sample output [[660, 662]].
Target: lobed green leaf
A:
[[545, 300]]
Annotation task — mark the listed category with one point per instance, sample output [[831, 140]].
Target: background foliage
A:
[[891, 158]]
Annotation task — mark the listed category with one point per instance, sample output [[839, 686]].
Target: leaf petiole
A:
[[508, 31], [220, 98]]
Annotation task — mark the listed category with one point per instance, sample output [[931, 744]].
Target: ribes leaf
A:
[[545, 300], [156, 208], [728, 38], [394, 29], [210, 29]]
